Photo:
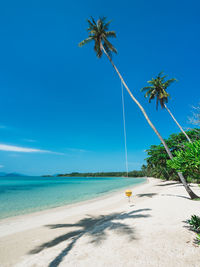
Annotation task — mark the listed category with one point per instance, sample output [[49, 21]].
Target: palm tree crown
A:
[[157, 89], [98, 32]]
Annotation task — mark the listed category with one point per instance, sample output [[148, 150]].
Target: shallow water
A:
[[21, 195]]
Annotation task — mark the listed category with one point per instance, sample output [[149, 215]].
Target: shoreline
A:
[[73, 204], [107, 231], [13, 220]]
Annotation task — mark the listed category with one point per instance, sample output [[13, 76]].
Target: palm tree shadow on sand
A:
[[150, 195], [95, 228]]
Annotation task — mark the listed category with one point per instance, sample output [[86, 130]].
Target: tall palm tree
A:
[[99, 34], [157, 89]]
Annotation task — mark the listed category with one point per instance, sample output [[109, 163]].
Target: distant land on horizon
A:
[[99, 174], [133, 173], [4, 174]]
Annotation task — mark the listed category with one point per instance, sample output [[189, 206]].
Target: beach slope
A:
[[108, 231]]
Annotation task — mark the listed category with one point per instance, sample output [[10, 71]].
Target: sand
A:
[[108, 231]]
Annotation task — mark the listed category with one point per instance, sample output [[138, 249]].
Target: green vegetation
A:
[[194, 223], [103, 174], [98, 33], [187, 160], [157, 159]]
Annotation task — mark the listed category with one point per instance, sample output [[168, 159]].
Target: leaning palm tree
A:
[[157, 89], [99, 34]]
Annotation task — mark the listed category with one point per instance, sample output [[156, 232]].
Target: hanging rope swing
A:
[[124, 122], [128, 192]]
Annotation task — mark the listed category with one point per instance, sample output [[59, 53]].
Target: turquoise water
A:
[[21, 195]]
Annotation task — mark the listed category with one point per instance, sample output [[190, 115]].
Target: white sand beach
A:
[[108, 231]]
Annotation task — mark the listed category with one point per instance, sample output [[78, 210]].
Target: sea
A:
[[23, 195]]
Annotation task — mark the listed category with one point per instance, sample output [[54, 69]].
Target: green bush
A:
[[187, 161], [157, 157], [194, 222]]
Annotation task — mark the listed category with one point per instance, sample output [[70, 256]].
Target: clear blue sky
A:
[[60, 106]]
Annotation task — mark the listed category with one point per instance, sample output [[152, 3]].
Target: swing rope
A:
[[124, 122]]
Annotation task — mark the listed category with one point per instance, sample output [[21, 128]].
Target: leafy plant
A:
[[195, 224], [187, 160], [157, 157]]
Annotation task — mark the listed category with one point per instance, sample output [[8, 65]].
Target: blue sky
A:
[[61, 107]]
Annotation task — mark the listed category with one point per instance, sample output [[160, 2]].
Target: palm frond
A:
[[157, 89], [99, 24], [86, 41], [108, 51], [163, 78], [98, 32], [151, 93], [98, 50], [111, 34], [146, 88], [169, 82], [106, 25], [152, 81], [148, 93], [90, 23], [103, 19], [110, 46], [160, 74], [93, 20]]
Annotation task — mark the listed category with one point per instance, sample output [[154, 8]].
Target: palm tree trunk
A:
[[178, 124], [187, 188]]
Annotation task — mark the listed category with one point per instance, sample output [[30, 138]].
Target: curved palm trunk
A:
[[187, 188], [178, 124]]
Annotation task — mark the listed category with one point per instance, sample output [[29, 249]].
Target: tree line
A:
[[133, 173], [186, 158]]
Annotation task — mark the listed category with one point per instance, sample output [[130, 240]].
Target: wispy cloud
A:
[[4, 147]]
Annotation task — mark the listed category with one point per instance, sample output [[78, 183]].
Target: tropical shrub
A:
[[187, 160], [157, 157], [156, 163], [194, 222]]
